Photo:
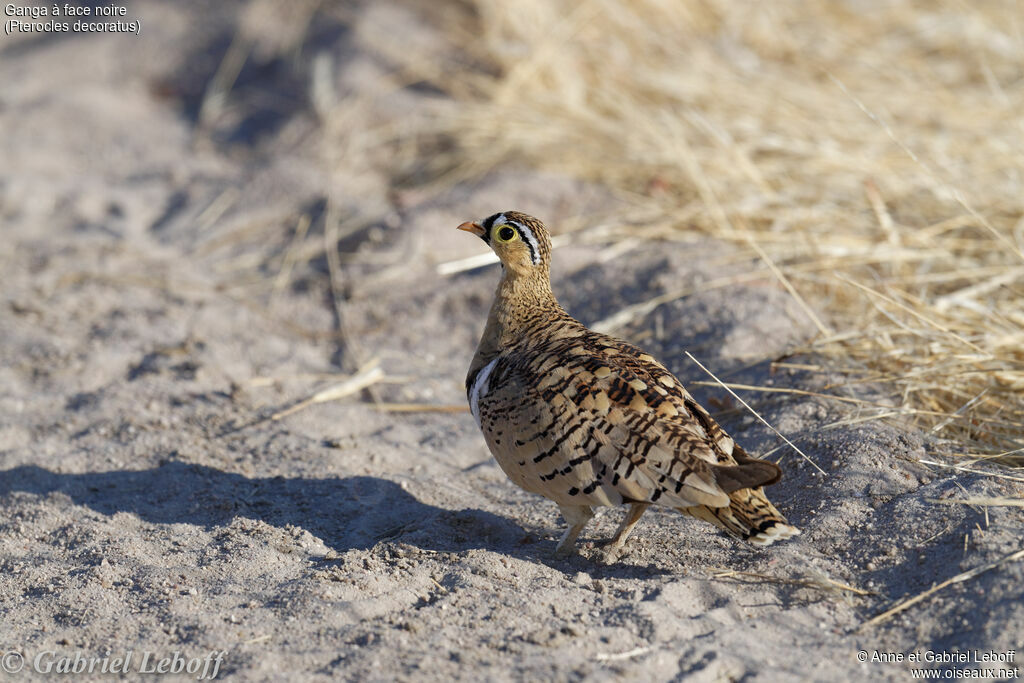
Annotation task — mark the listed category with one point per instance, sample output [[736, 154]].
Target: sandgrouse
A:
[[585, 419]]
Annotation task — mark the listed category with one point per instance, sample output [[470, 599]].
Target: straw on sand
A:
[[870, 159]]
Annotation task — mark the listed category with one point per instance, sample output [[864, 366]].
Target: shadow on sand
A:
[[346, 513]]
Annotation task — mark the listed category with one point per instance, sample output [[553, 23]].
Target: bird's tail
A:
[[749, 516]]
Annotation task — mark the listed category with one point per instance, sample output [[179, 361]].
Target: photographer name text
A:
[[143, 662]]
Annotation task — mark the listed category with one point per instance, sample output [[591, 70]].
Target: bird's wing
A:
[[591, 420]]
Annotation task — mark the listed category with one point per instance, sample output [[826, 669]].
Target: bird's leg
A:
[[636, 510], [577, 516]]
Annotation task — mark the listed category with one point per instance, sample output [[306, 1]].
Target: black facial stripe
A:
[[528, 237]]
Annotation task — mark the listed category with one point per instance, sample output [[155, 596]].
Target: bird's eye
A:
[[505, 234]]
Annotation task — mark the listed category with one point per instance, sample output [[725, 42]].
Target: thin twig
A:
[[469, 263], [636, 311], [981, 502], [959, 578], [217, 89], [284, 275], [789, 288], [616, 656], [366, 377], [331, 237], [755, 413], [960, 468], [422, 408], [823, 583]]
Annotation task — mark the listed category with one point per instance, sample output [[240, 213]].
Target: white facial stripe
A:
[[531, 240], [479, 390]]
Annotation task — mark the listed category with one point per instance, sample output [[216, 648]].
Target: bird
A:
[[587, 420]]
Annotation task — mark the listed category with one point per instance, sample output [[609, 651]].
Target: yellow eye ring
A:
[[505, 233]]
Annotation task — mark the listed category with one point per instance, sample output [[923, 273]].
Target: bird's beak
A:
[[474, 228]]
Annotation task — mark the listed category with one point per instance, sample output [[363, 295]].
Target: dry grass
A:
[[868, 155]]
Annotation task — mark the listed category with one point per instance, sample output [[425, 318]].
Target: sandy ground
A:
[[149, 503]]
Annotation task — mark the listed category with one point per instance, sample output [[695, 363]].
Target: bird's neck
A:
[[524, 309]]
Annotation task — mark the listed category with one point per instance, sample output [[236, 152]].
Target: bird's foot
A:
[[614, 550], [577, 516], [563, 551]]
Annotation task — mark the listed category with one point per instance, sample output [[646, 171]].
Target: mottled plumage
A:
[[585, 419]]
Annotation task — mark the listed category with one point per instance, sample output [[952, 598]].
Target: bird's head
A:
[[520, 241]]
